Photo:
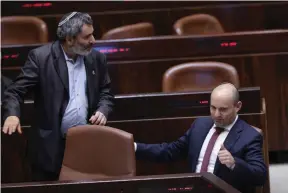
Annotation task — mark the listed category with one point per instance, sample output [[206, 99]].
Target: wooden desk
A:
[[192, 183], [171, 47]]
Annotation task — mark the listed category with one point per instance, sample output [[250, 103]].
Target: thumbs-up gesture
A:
[[226, 158]]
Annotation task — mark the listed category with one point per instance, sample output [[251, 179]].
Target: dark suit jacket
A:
[[243, 142], [46, 72], [5, 82]]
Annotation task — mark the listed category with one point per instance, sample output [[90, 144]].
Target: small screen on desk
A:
[[166, 189], [111, 50]]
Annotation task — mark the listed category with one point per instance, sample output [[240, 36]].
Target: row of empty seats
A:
[[32, 30]]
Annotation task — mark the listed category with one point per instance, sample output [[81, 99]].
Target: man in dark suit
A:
[[222, 144], [71, 86], [5, 82]]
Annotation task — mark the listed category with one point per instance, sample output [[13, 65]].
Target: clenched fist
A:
[[226, 158]]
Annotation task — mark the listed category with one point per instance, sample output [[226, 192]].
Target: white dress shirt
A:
[[77, 108], [220, 140]]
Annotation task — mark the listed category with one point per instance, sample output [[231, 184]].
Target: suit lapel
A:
[[91, 73], [230, 140], [201, 136], [233, 135], [60, 65], [62, 71]]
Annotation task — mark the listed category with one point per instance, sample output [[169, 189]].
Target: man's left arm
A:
[[105, 104], [251, 168]]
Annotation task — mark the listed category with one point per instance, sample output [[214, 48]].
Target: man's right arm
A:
[[14, 94], [164, 152]]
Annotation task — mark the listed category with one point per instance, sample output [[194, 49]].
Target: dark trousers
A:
[[41, 175], [38, 174]]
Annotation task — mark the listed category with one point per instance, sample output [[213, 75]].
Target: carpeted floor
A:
[[279, 178]]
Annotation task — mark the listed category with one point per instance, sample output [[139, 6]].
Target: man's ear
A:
[[70, 41], [238, 105]]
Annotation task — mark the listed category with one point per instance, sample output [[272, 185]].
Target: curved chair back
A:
[[137, 30], [98, 152], [198, 24], [198, 76], [23, 30]]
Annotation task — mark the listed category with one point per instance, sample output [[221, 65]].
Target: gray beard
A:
[[80, 52]]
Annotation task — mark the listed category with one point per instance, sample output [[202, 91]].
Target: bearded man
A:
[[71, 87]]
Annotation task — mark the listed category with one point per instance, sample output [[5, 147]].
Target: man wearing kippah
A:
[[71, 86]]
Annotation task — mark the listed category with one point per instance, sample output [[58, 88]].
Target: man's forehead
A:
[[222, 94], [222, 101], [218, 105], [87, 29]]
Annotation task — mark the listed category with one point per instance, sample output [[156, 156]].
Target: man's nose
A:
[[217, 113], [92, 41]]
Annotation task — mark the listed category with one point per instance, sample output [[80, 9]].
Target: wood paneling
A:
[[270, 73], [63, 7], [171, 47], [260, 59], [246, 17], [14, 163], [161, 105], [233, 16]]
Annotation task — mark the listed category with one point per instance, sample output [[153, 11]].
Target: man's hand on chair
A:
[[11, 124], [98, 119]]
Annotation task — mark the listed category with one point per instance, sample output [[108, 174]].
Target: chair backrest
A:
[[23, 30], [137, 30], [198, 76], [266, 187], [98, 152], [198, 24]]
